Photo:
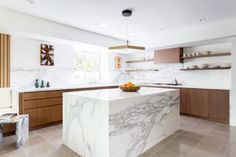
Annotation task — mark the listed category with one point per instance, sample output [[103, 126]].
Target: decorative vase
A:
[[36, 83], [48, 85], [42, 84]]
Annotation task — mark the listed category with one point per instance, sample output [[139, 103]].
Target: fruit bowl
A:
[[129, 87]]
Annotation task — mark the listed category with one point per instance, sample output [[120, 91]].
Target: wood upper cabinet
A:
[[168, 55], [207, 103]]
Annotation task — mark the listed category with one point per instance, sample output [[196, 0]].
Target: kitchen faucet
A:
[[176, 81]]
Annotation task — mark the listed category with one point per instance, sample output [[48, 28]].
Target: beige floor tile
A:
[[7, 145], [181, 145], [205, 148], [46, 130], [157, 147], [34, 141], [192, 134], [217, 137], [231, 150], [39, 149], [66, 152], [15, 153], [165, 153], [196, 138]]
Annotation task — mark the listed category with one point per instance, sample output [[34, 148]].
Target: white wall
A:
[[25, 63], [114, 75], [233, 90], [26, 53]]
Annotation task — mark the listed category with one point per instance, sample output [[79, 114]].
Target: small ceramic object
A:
[[213, 66], [42, 84], [48, 85], [203, 66], [36, 83], [225, 65]]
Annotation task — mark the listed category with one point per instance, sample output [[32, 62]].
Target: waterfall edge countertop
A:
[[112, 123], [116, 94]]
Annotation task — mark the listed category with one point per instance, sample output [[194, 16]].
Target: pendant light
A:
[[126, 13]]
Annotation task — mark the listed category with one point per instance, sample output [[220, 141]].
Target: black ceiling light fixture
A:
[[127, 13]]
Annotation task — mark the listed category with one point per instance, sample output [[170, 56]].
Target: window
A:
[[88, 67]]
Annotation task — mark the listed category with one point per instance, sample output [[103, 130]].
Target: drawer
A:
[[42, 95], [42, 102]]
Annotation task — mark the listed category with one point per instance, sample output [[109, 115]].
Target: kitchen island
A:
[[112, 123]]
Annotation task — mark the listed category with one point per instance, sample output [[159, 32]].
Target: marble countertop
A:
[[117, 94], [22, 90], [185, 86], [82, 86]]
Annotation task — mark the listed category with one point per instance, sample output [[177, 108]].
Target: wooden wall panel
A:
[[4, 60]]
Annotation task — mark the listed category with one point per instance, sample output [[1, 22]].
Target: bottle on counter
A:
[[48, 84], [42, 84], [36, 83]]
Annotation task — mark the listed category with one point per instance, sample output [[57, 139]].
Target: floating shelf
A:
[[139, 61], [219, 68], [142, 70], [209, 55]]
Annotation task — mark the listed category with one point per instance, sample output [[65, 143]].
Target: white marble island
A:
[[112, 123]]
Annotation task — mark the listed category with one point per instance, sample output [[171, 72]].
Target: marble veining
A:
[[121, 127]]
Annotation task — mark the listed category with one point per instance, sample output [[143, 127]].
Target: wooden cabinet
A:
[[218, 105], [168, 55], [45, 108], [206, 103], [194, 101]]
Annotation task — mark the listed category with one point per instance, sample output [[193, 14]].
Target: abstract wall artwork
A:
[[47, 55]]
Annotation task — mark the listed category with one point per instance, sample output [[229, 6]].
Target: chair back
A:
[[5, 98]]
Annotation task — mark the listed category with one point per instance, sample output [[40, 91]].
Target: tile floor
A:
[[196, 138]]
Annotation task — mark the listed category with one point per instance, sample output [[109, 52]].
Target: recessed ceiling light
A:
[[162, 29], [31, 1], [203, 20]]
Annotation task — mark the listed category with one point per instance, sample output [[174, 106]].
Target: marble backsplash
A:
[[24, 77]]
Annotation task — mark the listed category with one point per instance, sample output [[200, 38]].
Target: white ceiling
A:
[[150, 18]]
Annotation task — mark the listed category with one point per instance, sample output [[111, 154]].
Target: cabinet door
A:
[[55, 113], [186, 101], [194, 102], [32, 117], [168, 55], [219, 105], [43, 116], [200, 102]]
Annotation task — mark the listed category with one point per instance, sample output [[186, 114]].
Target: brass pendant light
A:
[[126, 13]]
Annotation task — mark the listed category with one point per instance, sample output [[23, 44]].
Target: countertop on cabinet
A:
[[85, 86], [185, 86]]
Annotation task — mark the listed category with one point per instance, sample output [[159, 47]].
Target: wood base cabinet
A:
[[45, 108], [206, 103]]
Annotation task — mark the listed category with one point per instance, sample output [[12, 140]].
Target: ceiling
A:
[[150, 17]]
